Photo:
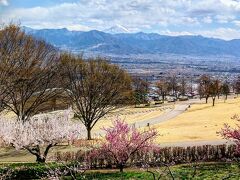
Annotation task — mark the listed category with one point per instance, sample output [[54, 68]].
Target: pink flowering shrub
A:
[[122, 141], [232, 133]]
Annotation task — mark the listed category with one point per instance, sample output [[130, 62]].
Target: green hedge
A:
[[203, 171], [28, 170]]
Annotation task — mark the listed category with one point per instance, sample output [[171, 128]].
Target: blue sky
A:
[[211, 18]]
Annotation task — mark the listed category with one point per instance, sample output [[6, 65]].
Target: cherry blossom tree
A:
[[40, 133], [122, 141], [232, 133]]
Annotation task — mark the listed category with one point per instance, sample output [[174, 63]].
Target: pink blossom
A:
[[232, 134], [123, 141]]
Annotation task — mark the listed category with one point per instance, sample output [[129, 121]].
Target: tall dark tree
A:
[[225, 89], [27, 72], [162, 88], [237, 85], [140, 90], [94, 86]]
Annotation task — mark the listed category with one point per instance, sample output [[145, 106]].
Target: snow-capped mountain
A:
[[117, 29]]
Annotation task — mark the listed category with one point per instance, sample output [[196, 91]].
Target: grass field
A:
[[203, 171], [199, 123], [207, 171]]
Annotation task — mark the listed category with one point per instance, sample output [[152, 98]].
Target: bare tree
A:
[[173, 84], [95, 87], [218, 85], [183, 86], [190, 87], [214, 90], [27, 72], [204, 86]]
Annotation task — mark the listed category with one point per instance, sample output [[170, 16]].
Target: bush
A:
[[177, 155], [29, 170]]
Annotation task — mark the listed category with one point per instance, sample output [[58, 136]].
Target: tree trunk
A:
[[121, 167], [37, 152], [213, 101], [89, 137], [206, 99], [40, 159]]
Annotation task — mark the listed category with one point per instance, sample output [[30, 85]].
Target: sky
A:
[[209, 18]]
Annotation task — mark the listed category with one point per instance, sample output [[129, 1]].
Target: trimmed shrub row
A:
[[175, 155]]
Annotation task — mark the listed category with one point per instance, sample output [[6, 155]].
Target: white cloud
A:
[[237, 22], [176, 33], [4, 2], [135, 15], [222, 33], [207, 20], [224, 18]]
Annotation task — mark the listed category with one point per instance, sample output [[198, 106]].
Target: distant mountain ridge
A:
[[136, 43]]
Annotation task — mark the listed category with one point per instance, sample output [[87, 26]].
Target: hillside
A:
[[136, 43]]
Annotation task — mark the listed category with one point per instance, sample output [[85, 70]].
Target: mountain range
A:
[[112, 42]]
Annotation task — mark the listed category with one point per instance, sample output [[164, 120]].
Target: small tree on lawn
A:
[[95, 88], [232, 133], [204, 87], [225, 89], [213, 90], [39, 134], [122, 141]]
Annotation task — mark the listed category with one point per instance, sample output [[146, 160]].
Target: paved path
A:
[[179, 108], [169, 114]]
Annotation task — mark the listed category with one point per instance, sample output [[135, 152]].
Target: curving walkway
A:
[[179, 108], [170, 114]]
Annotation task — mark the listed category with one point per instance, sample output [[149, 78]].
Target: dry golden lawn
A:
[[199, 123], [131, 115]]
